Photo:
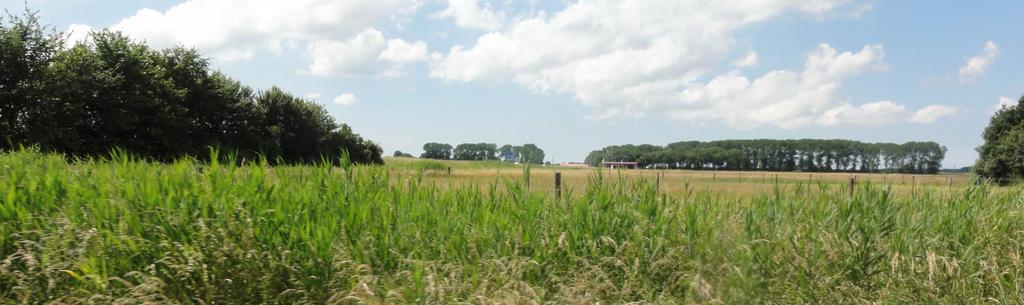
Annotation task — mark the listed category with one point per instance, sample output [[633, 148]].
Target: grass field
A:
[[127, 231], [675, 182]]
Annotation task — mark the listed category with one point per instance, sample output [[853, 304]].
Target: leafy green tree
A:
[[475, 152], [27, 48], [530, 153], [1002, 154], [438, 151], [111, 92]]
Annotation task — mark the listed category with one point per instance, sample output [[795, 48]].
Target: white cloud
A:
[[469, 14], [932, 113], [77, 33], [312, 96], [1003, 103], [976, 66], [641, 57], [877, 113], [366, 54], [346, 99], [747, 61], [233, 30], [400, 51], [785, 99]]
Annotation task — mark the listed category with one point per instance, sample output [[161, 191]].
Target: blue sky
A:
[[575, 76]]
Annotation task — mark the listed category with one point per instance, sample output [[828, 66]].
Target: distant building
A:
[[574, 164], [508, 156], [614, 165], [658, 166]]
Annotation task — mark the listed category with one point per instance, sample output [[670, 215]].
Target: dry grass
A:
[[681, 183]]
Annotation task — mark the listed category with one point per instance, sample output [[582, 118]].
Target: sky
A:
[[575, 76]]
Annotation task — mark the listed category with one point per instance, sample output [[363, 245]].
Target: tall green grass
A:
[[129, 231]]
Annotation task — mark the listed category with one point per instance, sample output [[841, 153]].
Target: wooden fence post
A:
[[853, 182], [558, 184], [657, 183], [449, 171], [913, 185]]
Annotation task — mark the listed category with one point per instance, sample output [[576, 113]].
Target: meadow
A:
[[127, 231]]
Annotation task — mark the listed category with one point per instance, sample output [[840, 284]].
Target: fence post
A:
[[714, 176], [449, 171], [949, 182], [853, 182], [558, 184], [657, 183], [913, 185]]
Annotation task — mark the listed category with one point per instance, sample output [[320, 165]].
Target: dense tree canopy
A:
[[112, 92], [782, 155], [475, 152], [438, 151], [1001, 157], [527, 153]]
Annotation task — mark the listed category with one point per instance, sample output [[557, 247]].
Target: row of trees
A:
[[782, 155], [112, 92], [527, 153]]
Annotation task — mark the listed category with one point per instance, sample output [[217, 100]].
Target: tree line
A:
[[806, 155], [527, 153], [112, 92]]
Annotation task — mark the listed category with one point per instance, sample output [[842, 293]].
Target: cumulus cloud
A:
[[641, 57], [977, 65], [365, 54], [469, 14], [932, 113], [1004, 102], [400, 51], [77, 33], [782, 98], [233, 30], [877, 113], [346, 99]]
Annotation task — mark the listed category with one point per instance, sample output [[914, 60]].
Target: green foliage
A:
[[26, 50], [475, 152], [111, 92], [782, 155], [527, 154], [400, 154], [126, 231], [437, 151], [1002, 154]]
